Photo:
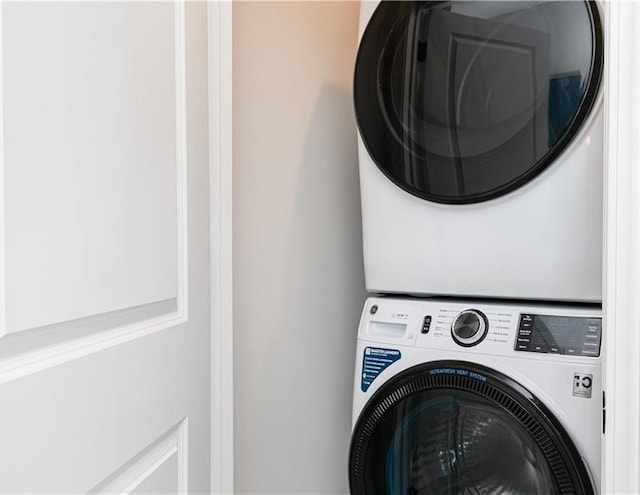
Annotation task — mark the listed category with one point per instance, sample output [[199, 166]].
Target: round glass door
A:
[[461, 102], [457, 428]]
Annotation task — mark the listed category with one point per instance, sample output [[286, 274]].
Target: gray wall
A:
[[298, 276]]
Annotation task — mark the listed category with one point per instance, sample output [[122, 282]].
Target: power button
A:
[[426, 324]]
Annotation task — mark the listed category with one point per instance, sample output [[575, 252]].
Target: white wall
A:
[[298, 276]]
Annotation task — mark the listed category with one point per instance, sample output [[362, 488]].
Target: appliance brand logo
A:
[[582, 384]]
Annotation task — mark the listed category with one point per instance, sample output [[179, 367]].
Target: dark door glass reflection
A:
[[461, 102], [455, 444]]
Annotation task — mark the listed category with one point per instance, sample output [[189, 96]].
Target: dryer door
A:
[[460, 102], [457, 428]]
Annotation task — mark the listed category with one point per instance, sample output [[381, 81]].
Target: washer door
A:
[[461, 102], [452, 427]]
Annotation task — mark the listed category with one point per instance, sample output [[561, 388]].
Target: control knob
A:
[[469, 327]]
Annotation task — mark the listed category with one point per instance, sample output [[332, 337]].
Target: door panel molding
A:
[[72, 426], [24, 364], [31, 349], [171, 448], [181, 161]]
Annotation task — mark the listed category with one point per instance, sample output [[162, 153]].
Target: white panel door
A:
[[104, 265]]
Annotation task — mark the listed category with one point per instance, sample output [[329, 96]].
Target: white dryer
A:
[[469, 397], [480, 150]]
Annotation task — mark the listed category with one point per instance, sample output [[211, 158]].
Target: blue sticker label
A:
[[374, 362]]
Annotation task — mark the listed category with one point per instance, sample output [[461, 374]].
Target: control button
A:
[[572, 351], [590, 352], [469, 327], [524, 339], [526, 321], [541, 348], [554, 349], [522, 347], [594, 326], [592, 336], [426, 324]]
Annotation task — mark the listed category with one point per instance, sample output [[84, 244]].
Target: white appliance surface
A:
[[396, 324], [541, 241]]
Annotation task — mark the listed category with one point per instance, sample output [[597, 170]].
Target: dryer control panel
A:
[[570, 335]]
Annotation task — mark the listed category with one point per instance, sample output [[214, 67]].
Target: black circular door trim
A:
[[386, 18], [570, 474]]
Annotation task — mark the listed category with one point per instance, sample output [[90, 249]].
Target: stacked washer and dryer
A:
[[478, 367]]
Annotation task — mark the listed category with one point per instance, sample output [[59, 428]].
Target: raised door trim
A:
[[221, 217], [621, 443]]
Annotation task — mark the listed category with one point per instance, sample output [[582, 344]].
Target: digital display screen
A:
[[568, 335]]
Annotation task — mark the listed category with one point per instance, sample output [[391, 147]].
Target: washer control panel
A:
[[535, 331], [570, 335]]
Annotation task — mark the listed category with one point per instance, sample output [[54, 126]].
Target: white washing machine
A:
[[470, 397], [480, 151]]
